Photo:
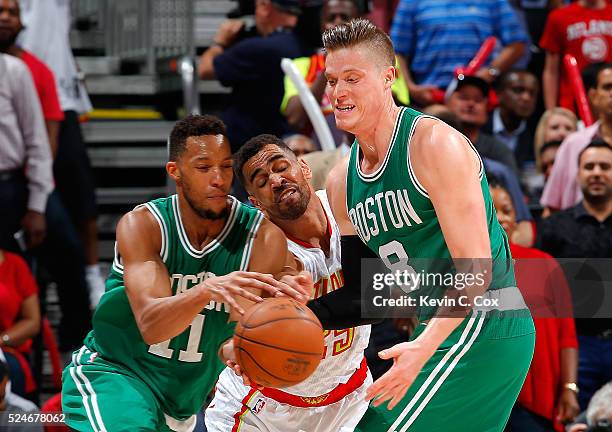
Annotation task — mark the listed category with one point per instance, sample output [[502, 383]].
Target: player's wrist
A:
[[436, 332], [425, 345], [204, 292]]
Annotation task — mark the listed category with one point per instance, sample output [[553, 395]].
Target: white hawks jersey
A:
[[343, 351]]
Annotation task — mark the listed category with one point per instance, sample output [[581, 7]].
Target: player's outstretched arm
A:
[[448, 170], [148, 288]]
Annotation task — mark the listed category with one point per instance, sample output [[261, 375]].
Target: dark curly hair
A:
[[252, 147], [193, 125]]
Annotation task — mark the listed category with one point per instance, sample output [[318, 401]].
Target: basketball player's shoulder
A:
[[440, 155], [139, 226], [269, 234], [269, 246], [433, 138]]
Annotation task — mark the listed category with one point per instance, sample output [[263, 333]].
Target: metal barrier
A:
[[141, 31], [157, 35], [149, 30], [187, 68], [92, 10]]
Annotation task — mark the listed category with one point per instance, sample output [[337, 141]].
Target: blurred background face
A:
[[520, 94], [263, 8], [594, 174], [469, 105], [204, 175], [10, 23], [300, 144], [547, 160], [558, 127], [601, 96], [504, 209], [337, 12]]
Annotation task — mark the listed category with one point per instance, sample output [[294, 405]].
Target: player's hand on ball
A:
[[241, 283], [238, 371], [408, 360], [301, 283], [227, 353]]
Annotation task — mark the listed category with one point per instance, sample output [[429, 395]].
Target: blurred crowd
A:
[[544, 135]]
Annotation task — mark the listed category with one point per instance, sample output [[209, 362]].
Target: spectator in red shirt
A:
[[19, 319], [582, 29], [548, 396]]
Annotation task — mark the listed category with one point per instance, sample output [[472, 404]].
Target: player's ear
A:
[[173, 171], [389, 74], [306, 171]]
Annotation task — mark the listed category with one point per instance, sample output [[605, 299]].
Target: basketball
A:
[[278, 342]]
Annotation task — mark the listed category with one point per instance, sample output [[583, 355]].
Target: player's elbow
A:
[[150, 337], [150, 332]]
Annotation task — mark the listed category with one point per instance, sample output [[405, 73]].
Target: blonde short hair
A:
[[538, 139], [360, 31]]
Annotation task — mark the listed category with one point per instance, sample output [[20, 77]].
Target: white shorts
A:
[[238, 407]]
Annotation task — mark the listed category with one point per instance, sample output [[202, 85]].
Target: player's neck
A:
[[200, 230], [374, 142], [311, 227]]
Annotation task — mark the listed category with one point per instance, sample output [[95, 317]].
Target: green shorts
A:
[[469, 384], [99, 396]]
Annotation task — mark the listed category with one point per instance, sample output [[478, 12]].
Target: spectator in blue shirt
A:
[[433, 37]]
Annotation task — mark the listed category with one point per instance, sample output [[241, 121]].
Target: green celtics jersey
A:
[[393, 215], [180, 371]]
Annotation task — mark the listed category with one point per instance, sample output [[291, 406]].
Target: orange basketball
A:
[[278, 342]]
